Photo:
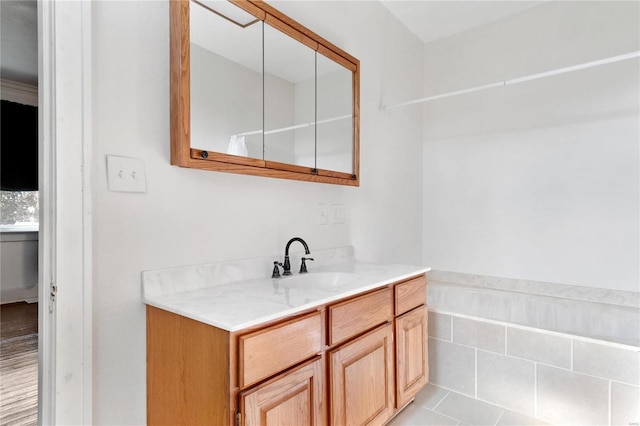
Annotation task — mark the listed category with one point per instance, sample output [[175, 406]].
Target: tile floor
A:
[[439, 406]]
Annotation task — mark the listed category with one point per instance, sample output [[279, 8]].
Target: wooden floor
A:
[[19, 364]]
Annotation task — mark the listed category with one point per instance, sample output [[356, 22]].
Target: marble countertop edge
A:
[[214, 305]]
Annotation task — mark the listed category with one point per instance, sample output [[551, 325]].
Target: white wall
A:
[[192, 216], [18, 266], [536, 181]]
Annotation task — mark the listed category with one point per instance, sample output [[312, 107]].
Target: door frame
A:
[[65, 236]]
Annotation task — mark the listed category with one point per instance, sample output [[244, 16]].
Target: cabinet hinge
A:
[[238, 421]]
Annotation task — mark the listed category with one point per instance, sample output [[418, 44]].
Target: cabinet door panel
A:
[[362, 379], [294, 398], [411, 346]]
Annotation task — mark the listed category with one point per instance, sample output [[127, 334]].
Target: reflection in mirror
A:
[[226, 79], [289, 94], [335, 116], [287, 112]]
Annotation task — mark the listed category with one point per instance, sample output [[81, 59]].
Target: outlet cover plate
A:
[[337, 213]]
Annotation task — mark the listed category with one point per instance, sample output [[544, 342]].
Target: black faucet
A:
[[276, 270], [286, 267]]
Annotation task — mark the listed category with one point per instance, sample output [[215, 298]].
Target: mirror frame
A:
[[183, 155]]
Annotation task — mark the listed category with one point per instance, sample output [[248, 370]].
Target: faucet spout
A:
[[287, 265], [306, 247]]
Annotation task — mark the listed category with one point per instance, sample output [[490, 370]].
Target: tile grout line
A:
[[445, 415], [448, 417], [569, 369], [535, 389], [493, 404], [440, 402], [571, 356], [623, 346], [484, 401], [610, 392], [475, 381], [451, 329], [500, 417], [506, 334]]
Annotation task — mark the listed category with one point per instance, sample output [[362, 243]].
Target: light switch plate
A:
[[126, 174], [323, 214], [337, 213]]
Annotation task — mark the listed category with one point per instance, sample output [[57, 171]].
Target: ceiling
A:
[[19, 41], [432, 20], [429, 20]]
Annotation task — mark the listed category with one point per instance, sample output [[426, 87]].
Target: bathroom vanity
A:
[[346, 344]]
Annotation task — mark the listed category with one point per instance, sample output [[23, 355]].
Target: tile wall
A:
[[559, 378]]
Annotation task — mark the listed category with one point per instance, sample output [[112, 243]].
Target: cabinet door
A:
[[362, 379], [411, 347], [293, 398]]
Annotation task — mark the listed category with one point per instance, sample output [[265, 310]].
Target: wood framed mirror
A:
[[255, 92]]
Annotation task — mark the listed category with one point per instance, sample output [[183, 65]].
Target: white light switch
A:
[[323, 214], [337, 213], [126, 174]]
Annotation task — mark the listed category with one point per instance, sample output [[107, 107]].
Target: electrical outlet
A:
[[126, 174], [337, 213], [323, 214]]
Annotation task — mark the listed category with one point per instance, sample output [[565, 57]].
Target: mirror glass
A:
[[226, 80], [255, 92], [335, 116], [289, 95]]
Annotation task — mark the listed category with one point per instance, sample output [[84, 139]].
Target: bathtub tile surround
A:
[[440, 327], [625, 404], [544, 348], [481, 335], [608, 315], [607, 362], [570, 398], [559, 378], [586, 294], [506, 381], [452, 366]]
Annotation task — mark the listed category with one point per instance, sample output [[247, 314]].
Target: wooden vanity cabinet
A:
[[353, 362], [293, 398], [266, 352], [362, 379], [412, 368], [411, 352], [189, 373]]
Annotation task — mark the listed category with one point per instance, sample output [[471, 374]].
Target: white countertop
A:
[[233, 306]]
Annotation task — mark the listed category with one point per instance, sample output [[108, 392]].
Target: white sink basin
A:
[[319, 280]]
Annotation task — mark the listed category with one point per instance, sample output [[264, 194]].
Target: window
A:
[[19, 209]]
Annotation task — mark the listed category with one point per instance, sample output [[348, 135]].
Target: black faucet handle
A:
[[276, 270], [303, 266]]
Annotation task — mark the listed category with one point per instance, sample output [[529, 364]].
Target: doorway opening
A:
[[19, 213]]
